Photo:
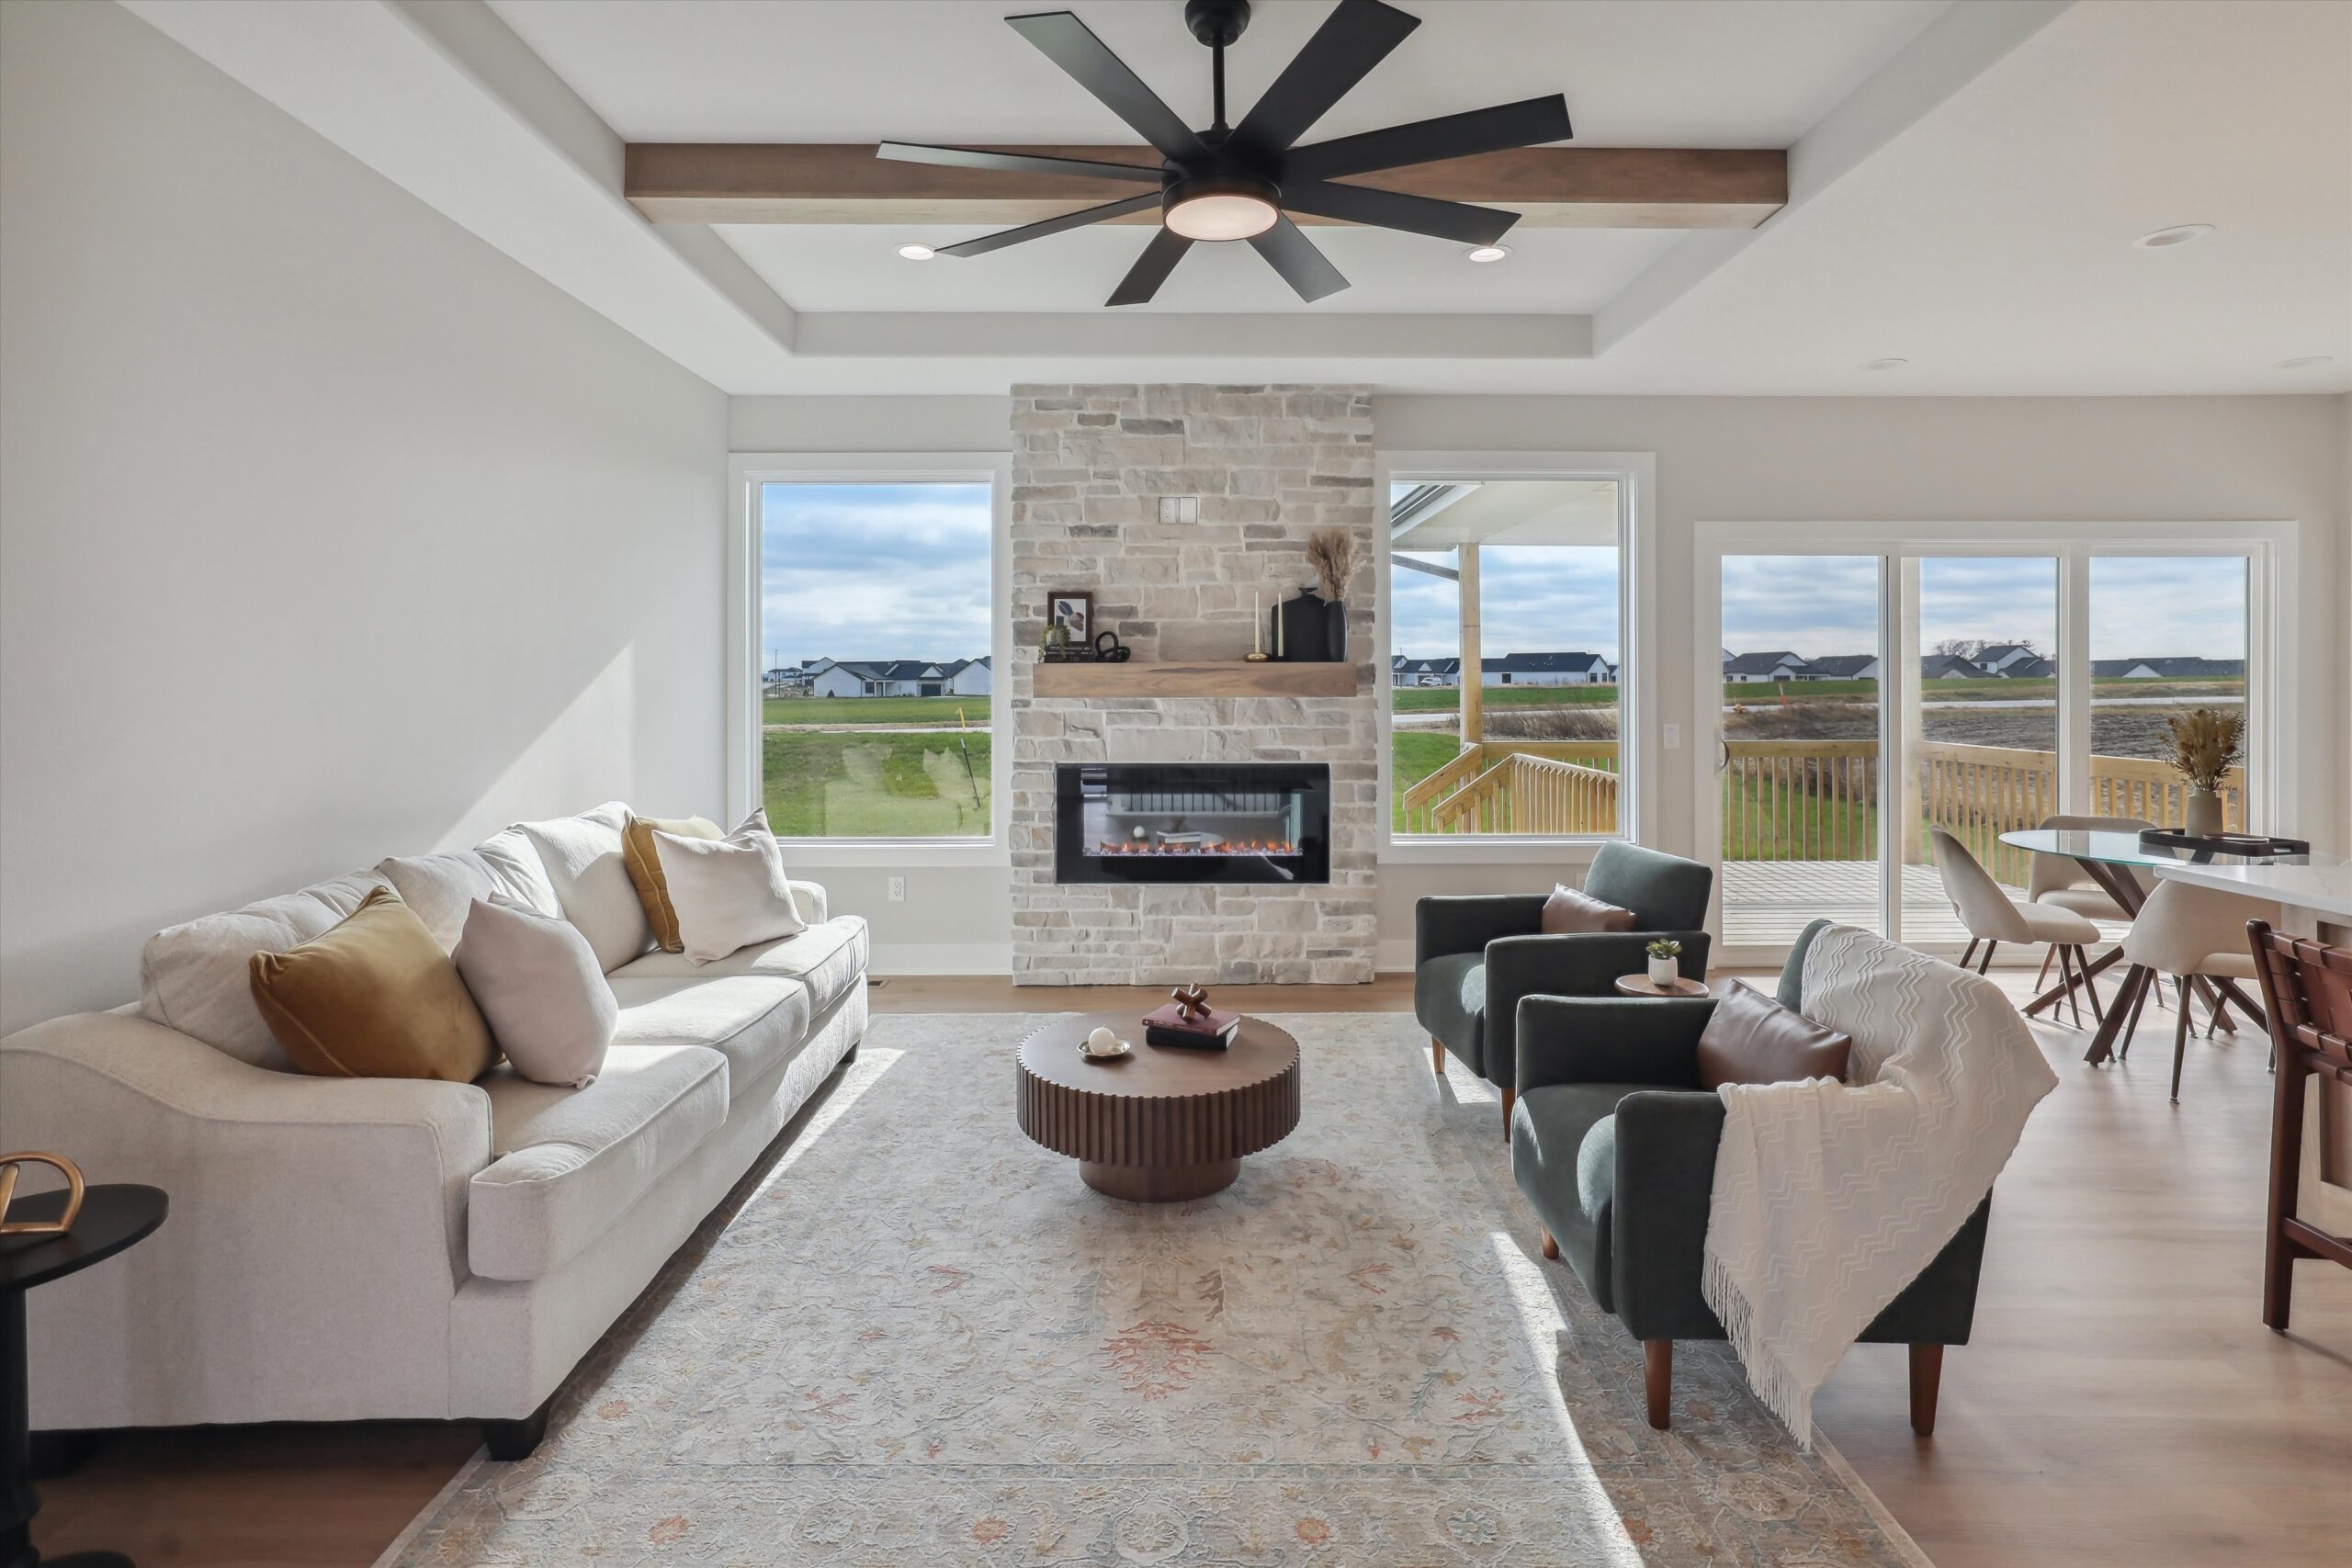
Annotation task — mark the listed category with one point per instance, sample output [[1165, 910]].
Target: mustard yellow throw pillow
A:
[[373, 998], [644, 862]]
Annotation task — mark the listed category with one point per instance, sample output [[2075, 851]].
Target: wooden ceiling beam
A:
[[845, 183]]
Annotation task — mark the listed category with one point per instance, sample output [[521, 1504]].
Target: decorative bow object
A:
[[73, 1186], [1192, 1001]]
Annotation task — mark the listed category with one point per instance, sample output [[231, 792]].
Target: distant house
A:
[[2027, 669], [969, 678], [1951, 666], [816, 666], [1404, 672], [889, 677], [1748, 668], [1547, 670], [1845, 667], [1997, 658]]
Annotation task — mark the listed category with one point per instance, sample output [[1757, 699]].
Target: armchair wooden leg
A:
[[2180, 1038], [1550, 1246], [1437, 1055], [1509, 1096], [1658, 1380], [1927, 1381]]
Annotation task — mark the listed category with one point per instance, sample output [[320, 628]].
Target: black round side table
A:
[[112, 1218]]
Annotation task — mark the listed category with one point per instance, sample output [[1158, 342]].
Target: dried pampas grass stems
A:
[[1332, 554]]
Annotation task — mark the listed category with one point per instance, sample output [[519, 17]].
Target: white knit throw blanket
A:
[[1830, 1198]]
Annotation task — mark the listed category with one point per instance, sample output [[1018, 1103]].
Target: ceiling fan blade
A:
[[1072, 44], [1530, 124], [1078, 220], [1305, 268], [1456, 220], [1151, 268], [1351, 41], [1014, 163]]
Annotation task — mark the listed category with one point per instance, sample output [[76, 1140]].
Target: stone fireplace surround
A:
[[1270, 464]]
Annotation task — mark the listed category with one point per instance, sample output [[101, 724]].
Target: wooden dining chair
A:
[[2307, 990]]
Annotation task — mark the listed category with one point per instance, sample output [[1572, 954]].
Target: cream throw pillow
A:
[[729, 893], [536, 979]]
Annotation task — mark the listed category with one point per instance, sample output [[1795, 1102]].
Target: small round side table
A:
[[1642, 985], [113, 1217]]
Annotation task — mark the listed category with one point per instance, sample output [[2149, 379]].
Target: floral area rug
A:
[[913, 1336]]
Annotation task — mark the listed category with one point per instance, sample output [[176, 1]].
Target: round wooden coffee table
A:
[[1165, 1123]]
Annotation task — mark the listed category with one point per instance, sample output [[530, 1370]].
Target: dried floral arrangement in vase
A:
[[2206, 744], [1332, 553]]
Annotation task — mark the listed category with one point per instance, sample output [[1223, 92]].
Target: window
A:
[[876, 667], [2167, 636], [1506, 614]]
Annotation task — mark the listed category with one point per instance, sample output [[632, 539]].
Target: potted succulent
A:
[[2206, 744], [1666, 965]]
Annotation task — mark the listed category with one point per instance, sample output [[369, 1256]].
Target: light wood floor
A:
[[2120, 1403]]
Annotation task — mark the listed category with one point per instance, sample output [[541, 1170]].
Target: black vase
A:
[[1335, 622], [1305, 629]]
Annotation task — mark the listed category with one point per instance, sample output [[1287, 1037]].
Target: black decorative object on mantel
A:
[[1310, 629]]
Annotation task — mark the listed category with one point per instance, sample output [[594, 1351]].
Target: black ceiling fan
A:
[[1241, 182]]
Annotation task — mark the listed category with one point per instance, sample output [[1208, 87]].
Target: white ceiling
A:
[[1966, 182]]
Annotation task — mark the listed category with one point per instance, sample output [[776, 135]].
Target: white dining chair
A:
[[2061, 881], [1990, 915], [2192, 933]]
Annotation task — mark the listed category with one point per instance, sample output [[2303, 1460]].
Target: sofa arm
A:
[[1444, 926], [1664, 1187], [1610, 1040], [1584, 963], [316, 1234], [809, 898]]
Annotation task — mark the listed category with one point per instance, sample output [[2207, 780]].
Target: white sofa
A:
[[342, 1249]]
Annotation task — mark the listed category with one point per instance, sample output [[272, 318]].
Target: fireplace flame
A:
[[1230, 850]]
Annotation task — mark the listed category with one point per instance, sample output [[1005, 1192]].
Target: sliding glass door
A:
[[1876, 692]]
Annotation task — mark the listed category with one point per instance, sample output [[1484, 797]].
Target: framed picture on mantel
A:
[[1073, 611]]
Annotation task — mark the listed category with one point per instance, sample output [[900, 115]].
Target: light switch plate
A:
[[898, 890], [1180, 509], [1673, 738]]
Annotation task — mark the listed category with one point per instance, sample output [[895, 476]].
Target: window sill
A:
[[802, 854], [1492, 850]]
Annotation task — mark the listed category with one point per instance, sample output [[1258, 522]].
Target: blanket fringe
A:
[[1781, 1391]]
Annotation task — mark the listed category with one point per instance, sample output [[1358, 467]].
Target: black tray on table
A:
[[2206, 845]]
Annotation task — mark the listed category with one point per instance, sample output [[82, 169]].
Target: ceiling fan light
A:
[[917, 252], [1221, 206]]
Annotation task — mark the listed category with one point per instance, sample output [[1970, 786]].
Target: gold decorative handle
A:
[[73, 1189]]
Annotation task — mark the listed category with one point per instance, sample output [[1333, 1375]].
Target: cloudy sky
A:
[[874, 571]]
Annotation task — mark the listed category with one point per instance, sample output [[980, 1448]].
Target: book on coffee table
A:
[[1212, 1030]]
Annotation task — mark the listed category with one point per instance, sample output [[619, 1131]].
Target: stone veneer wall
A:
[[1271, 465]]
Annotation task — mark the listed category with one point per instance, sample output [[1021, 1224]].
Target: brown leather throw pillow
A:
[[1567, 910], [374, 997], [1753, 1039]]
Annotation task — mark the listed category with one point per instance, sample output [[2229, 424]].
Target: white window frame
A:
[[1637, 585], [2273, 678], [747, 472]]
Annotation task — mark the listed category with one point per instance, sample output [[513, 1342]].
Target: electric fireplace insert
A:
[[1192, 822]]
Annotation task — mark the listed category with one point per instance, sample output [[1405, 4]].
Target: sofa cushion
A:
[[567, 1163], [583, 858], [1450, 998], [643, 859], [441, 889], [827, 958], [375, 998], [1562, 1156], [753, 1020], [549, 1006], [197, 978]]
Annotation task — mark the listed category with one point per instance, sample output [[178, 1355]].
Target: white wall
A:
[[326, 531], [1783, 459]]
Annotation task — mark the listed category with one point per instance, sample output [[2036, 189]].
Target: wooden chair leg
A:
[[1658, 1380], [2139, 1000], [2090, 985], [1551, 1247], [1988, 963], [2047, 954], [1968, 955], [2066, 972], [1510, 1096], [1927, 1381], [1437, 1055], [2179, 1036]]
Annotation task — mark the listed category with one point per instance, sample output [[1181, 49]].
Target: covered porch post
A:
[[1474, 714]]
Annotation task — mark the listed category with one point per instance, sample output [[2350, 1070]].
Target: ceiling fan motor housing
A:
[[1216, 22]]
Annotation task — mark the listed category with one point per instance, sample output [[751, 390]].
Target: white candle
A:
[[1256, 625], [1278, 628]]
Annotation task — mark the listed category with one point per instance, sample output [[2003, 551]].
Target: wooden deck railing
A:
[[1542, 787], [1801, 800]]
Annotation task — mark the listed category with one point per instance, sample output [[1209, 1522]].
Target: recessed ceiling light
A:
[[1487, 253], [1889, 363], [2179, 234], [917, 253], [2306, 361]]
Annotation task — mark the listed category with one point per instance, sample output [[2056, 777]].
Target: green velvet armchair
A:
[[1475, 957], [1613, 1146]]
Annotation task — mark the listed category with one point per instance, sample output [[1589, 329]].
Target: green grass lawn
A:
[[1443, 699], [875, 710], [879, 786]]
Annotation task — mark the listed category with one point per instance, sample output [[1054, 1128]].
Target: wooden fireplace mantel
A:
[[1199, 678]]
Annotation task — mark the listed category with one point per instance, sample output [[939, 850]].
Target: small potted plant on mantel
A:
[[1666, 965], [2206, 744]]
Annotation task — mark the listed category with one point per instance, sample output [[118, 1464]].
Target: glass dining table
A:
[[2114, 862]]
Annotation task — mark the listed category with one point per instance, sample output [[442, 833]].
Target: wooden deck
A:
[[1768, 902]]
